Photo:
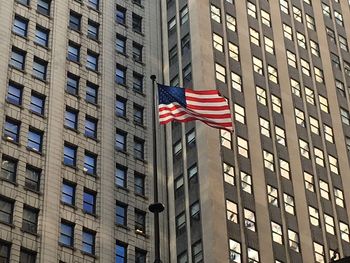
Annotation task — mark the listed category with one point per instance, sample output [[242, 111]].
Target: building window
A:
[[287, 32], [284, 169], [88, 241], [191, 138], [8, 168], [139, 146], [288, 203], [43, 7], [23, 2], [229, 173], [172, 26], [20, 26], [269, 45], [292, 61], [73, 52], [37, 103], [11, 130], [179, 183], [92, 61], [182, 258], [218, 42], [344, 231], [67, 234], [309, 182], [90, 162], [32, 180], [187, 75], [235, 251], [319, 75], [233, 51], [293, 240], [89, 202], [139, 184], [70, 155], [137, 52], [230, 22], [42, 36], [254, 37], [120, 253], [120, 75], [251, 9], [35, 139], [72, 84], [319, 253], [173, 55], [239, 113], [94, 4], [310, 22], [265, 18], [185, 44], [261, 95], [324, 189], [249, 219], [343, 43], [92, 30], [314, 216], [314, 48], [140, 256], [333, 164], [345, 116], [138, 114], [137, 84], [121, 214], [277, 235], [184, 15], [326, 10], [243, 147], [253, 255], [120, 107], [68, 193], [91, 93], [6, 210], [329, 223], [269, 161], [14, 93], [17, 58], [236, 81], [220, 73], [258, 66], [304, 149], [226, 138], [246, 182], [314, 126], [30, 219], [284, 6], [272, 195], [272, 74], [71, 118], [39, 68], [299, 117], [74, 21], [120, 176], [136, 23], [195, 211], [232, 211], [280, 135], [120, 140], [121, 15], [140, 222], [180, 224], [301, 40], [339, 197], [319, 158], [90, 127], [192, 173], [26, 256], [215, 13], [197, 252]]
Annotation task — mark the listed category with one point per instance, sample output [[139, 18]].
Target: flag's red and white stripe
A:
[[204, 105]]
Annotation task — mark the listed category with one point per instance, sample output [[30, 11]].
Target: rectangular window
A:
[[67, 234], [137, 84], [220, 73], [277, 234], [197, 252], [121, 214], [339, 197], [92, 61], [120, 15], [243, 147], [185, 44], [215, 13], [184, 15], [218, 42], [72, 84], [180, 224], [251, 9], [94, 4], [136, 23], [120, 253], [187, 75], [120, 176], [30, 219], [120, 140], [137, 52], [68, 193], [288, 203], [139, 183], [319, 253], [91, 92], [195, 211], [309, 181], [73, 52], [18, 58], [232, 211], [235, 251], [37, 103], [32, 179], [35, 139], [314, 216], [74, 21], [88, 241], [120, 75], [70, 155], [43, 7], [92, 30], [233, 51], [293, 240], [139, 146], [8, 168], [14, 93], [284, 169], [89, 201], [120, 107], [230, 23], [140, 256], [258, 66], [304, 148], [138, 114], [90, 162], [246, 182], [90, 127], [140, 222], [269, 162], [11, 130], [39, 68], [272, 195], [249, 220], [71, 118], [42, 36], [20, 26], [27, 256], [6, 210], [253, 255]]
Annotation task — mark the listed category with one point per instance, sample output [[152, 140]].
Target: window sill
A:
[[73, 94], [71, 129], [29, 232], [92, 103], [88, 254], [67, 246], [40, 45], [76, 62], [7, 224], [138, 4], [14, 104], [19, 69], [138, 32], [123, 54], [93, 9], [37, 114], [122, 85], [45, 15], [122, 151], [142, 196], [75, 30], [69, 205], [139, 92], [122, 24], [123, 226], [11, 140], [93, 175], [9, 181], [123, 188], [42, 80], [33, 150], [140, 125], [70, 166], [90, 214], [141, 160], [92, 138], [94, 39], [32, 190], [123, 117], [141, 234], [16, 34], [139, 61]]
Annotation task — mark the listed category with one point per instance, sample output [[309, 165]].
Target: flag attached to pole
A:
[[185, 105]]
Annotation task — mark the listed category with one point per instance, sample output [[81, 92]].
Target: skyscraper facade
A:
[[275, 190], [75, 179]]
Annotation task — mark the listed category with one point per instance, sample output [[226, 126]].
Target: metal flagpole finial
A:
[[153, 77]]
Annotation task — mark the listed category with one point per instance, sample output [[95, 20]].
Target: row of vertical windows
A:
[[26, 255], [235, 253], [91, 89], [121, 19]]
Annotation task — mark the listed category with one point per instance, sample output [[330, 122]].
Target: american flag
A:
[[185, 105]]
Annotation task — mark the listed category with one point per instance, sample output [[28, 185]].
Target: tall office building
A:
[[277, 189], [75, 98]]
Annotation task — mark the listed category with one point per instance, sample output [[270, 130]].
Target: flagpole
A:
[[156, 207]]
